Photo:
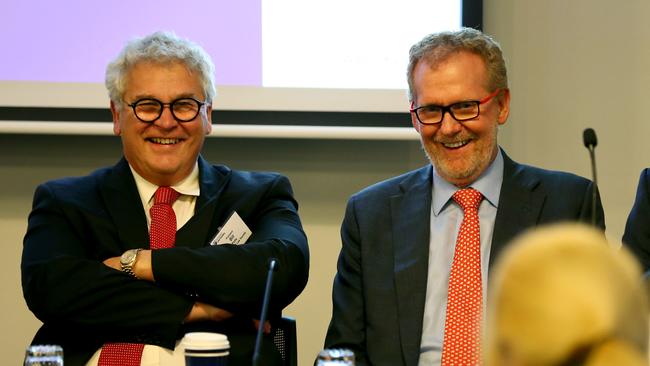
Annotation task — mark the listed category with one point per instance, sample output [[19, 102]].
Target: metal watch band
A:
[[128, 269]]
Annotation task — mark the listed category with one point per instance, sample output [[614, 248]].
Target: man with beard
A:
[[417, 248]]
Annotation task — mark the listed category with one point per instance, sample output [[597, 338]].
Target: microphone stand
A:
[[265, 305], [594, 192], [590, 141]]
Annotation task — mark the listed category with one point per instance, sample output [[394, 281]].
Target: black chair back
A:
[[284, 338]]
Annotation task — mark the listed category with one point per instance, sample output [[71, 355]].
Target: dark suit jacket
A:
[[76, 223], [637, 228], [380, 287]]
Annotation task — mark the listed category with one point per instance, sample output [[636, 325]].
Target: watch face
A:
[[128, 257]]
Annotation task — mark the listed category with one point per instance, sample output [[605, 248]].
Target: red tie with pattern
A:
[[461, 345], [163, 220], [162, 234]]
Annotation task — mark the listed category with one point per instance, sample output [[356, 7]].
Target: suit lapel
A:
[[123, 203], [520, 205], [198, 230], [410, 213]]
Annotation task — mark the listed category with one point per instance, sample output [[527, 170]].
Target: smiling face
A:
[[460, 152], [165, 151]]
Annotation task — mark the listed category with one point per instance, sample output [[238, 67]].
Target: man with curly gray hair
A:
[[417, 248], [121, 263]]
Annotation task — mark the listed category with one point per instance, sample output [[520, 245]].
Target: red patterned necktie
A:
[[461, 345], [163, 220], [162, 234]]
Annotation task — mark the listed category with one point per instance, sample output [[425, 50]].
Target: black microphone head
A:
[[589, 137]]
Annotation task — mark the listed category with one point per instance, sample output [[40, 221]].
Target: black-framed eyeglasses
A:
[[150, 109], [462, 111]]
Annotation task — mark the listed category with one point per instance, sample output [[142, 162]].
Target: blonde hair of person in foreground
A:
[[562, 295]]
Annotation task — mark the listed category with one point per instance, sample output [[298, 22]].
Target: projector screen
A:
[[342, 56]]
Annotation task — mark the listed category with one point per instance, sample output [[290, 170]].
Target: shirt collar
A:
[[489, 184], [188, 186]]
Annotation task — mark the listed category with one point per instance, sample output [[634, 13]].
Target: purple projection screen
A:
[[73, 40]]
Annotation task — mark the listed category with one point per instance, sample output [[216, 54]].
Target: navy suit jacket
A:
[[76, 223], [380, 287], [637, 229]]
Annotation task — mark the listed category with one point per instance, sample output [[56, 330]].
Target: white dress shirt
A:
[[184, 209]]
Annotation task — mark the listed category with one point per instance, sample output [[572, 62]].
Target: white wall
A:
[[572, 63], [575, 64]]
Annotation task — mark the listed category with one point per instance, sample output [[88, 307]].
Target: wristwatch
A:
[[127, 260]]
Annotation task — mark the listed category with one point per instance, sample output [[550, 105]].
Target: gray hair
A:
[[162, 48], [437, 47]]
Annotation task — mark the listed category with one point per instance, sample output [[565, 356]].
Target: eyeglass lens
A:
[[184, 109], [459, 111]]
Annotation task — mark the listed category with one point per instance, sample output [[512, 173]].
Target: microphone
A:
[[590, 140], [265, 304]]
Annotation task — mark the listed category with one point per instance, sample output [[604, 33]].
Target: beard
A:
[[464, 170]]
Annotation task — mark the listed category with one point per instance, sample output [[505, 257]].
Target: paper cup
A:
[[205, 349]]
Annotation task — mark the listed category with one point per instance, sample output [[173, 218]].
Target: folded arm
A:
[[64, 283], [232, 277]]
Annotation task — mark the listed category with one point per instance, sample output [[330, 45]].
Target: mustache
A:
[[455, 139]]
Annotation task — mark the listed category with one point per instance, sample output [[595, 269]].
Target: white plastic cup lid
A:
[[205, 341]]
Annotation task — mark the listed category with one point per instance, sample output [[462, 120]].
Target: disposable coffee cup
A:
[[205, 349]]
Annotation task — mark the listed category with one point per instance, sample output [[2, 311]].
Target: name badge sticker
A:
[[234, 231]]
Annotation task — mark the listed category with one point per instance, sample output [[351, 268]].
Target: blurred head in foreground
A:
[[561, 295]]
